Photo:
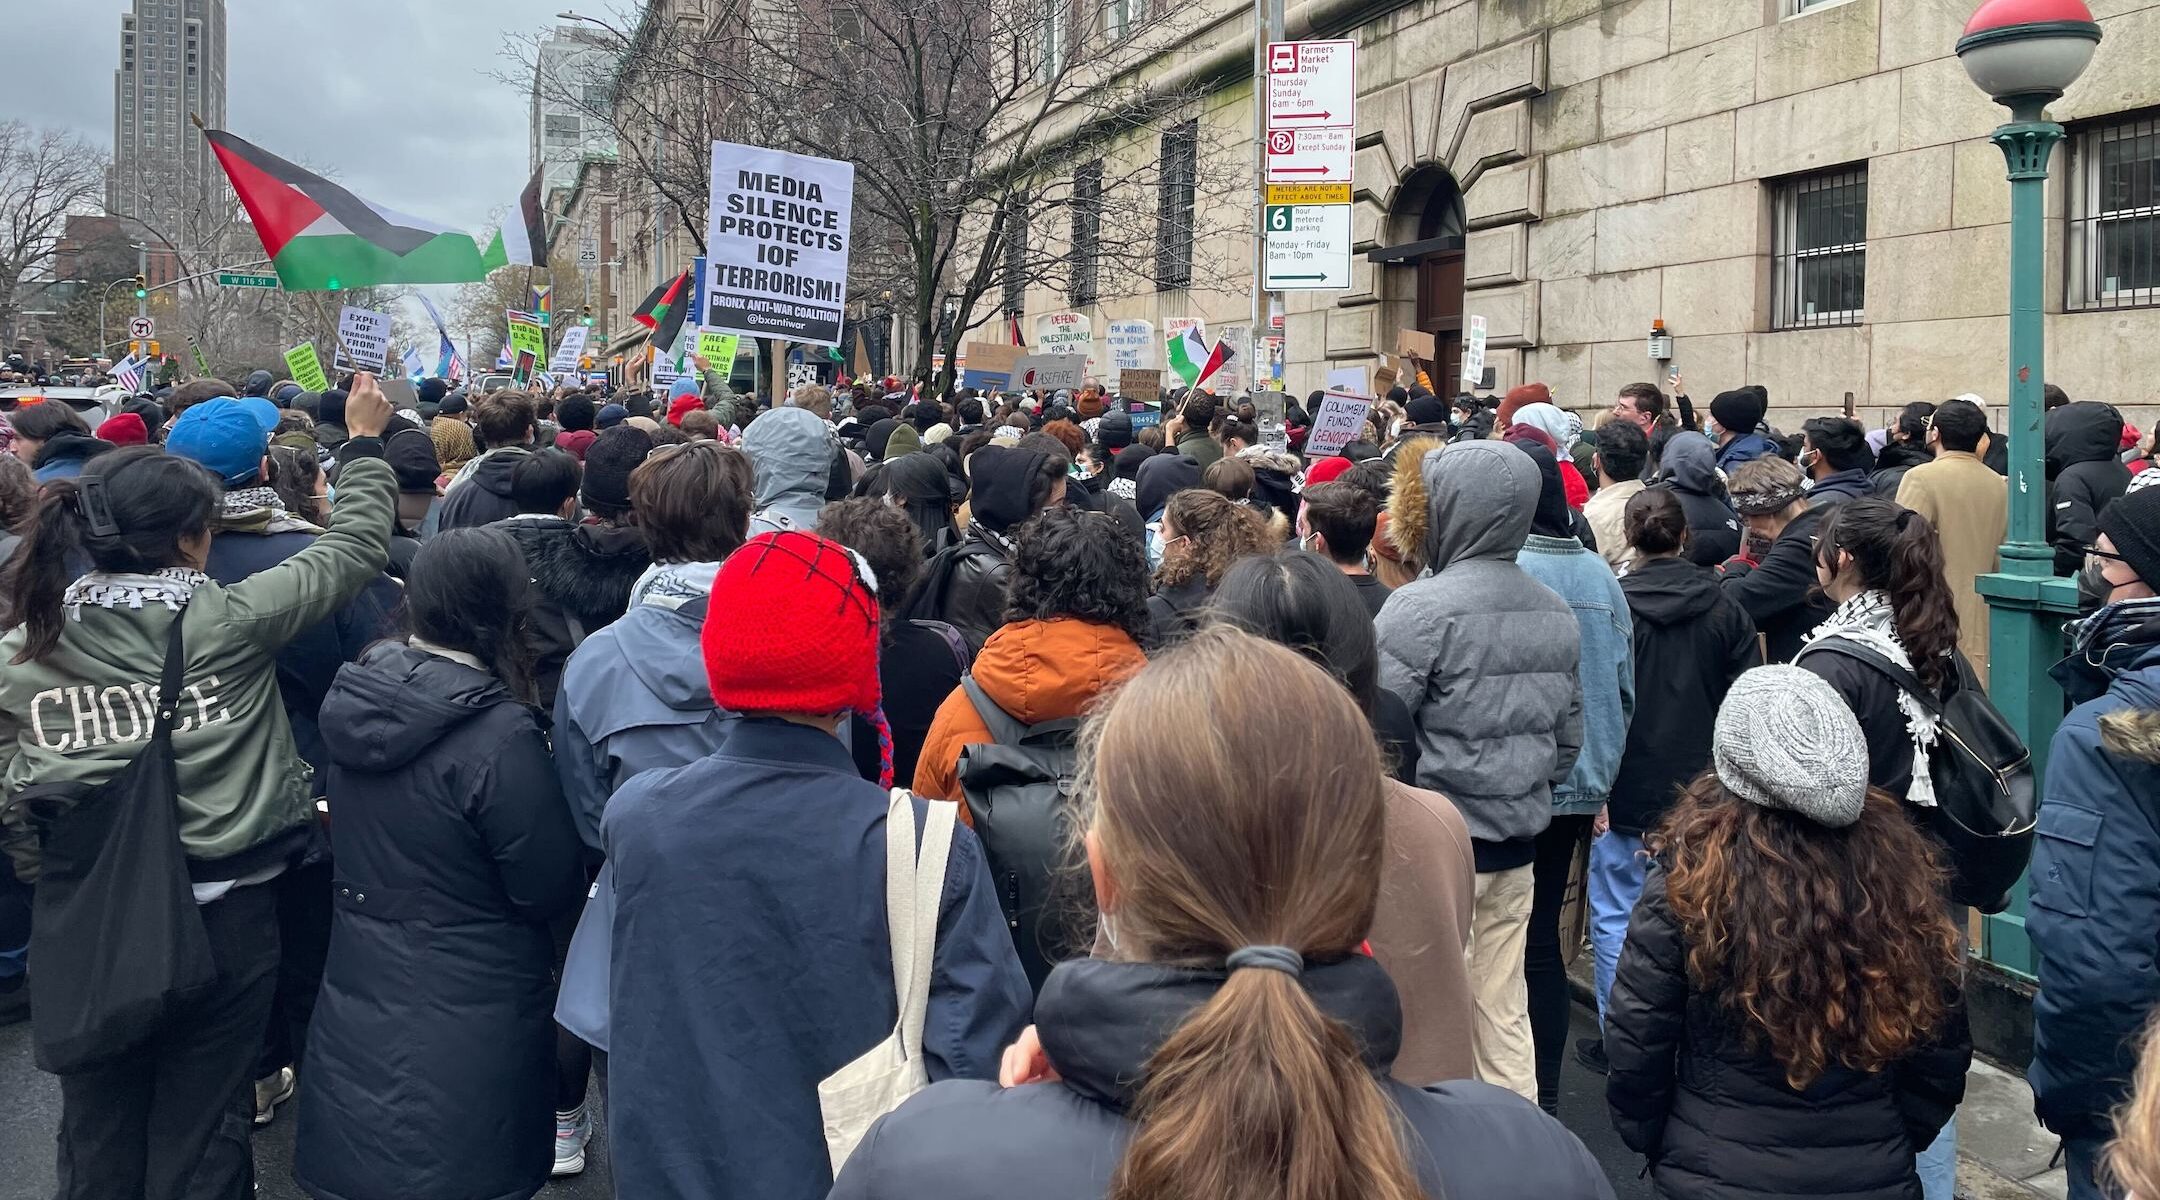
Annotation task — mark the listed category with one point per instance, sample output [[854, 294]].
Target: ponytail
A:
[[1897, 551], [38, 575], [1260, 1095]]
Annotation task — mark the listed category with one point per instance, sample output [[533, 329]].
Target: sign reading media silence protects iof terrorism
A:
[[777, 245]]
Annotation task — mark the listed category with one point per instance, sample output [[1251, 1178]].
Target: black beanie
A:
[[1427, 409], [431, 391], [1552, 518], [1740, 411], [2132, 522], [1114, 431], [608, 463], [575, 412]]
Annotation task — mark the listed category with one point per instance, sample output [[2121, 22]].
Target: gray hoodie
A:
[[791, 450], [1485, 656]]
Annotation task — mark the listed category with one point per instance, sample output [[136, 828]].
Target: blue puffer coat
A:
[[2095, 912]]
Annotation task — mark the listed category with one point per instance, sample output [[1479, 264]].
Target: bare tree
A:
[[990, 155], [45, 174]]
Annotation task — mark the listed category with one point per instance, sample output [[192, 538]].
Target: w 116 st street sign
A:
[[231, 280]]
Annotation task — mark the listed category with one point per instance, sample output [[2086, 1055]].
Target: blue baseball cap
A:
[[226, 435]]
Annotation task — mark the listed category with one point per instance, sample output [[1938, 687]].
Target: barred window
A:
[[2114, 247], [1819, 249], [1086, 230], [1016, 260], [1174, 206]]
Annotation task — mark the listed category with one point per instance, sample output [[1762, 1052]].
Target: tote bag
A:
[[856, 1095]]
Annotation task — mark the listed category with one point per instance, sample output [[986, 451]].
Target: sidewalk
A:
[[2003, 1153]]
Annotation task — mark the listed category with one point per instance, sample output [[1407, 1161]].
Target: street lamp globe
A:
[[2025, 53]]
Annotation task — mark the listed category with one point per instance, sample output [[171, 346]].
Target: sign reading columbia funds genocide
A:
[[776, 242]]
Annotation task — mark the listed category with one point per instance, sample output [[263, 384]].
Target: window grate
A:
[[1086, 231], [1016, 260], [2114, 237], [1819, 249], [1174, 206]]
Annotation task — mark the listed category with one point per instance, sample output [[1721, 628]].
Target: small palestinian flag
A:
[[663, 311], [321, 238], [1216, 361], [1018, 339], [523, 239], [1188, 355]]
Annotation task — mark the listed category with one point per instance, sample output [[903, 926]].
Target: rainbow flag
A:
[[542, 305]]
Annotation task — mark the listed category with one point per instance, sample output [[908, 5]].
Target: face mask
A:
[[1808, 459], [329, 495], [1154, 547]]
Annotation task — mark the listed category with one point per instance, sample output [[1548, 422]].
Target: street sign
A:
[[231, 280], [588, 252], [1312, 85], [1473, 354], [142, 327], [1308, 193], [1310, 155], [1308, 247]]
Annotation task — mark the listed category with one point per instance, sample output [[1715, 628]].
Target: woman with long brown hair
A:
[[1236, 1041], [1203, 533], [1786, 1017]]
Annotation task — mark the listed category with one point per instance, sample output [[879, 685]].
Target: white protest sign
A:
[[1175, 327], [1050, 371], [367, 334], [799, 374], [1132, 345], [664, 372], [1473, 353], [1340, 421], [1063, 333], [1350, 380], [568, 351], [1235, 375], [776, 245]]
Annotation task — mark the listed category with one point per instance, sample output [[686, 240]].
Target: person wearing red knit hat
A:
[[1326, 470], [751, 957], [127, 429]]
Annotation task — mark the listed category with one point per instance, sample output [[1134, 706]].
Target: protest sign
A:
[[1144, 385], [988, 366], [366, 334], [1340, 421], [305, 368], [568, 351], [521, 369], [1050, 371], [1132, 345], [1348, 379], [526, 336], [1383, 378], [1235, 375], [1270, 407], [1416, 343], [776, 245], [1473, 355], [1175, 327], [1064, 333], [718, 349], [799, 374], [664, 372], [401, 394]]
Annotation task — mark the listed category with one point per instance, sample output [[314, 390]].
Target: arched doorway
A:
[[1426, 231]]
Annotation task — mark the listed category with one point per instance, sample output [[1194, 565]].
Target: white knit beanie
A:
[[1786, 739]]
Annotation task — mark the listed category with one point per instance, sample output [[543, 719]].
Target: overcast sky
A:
[[396, 98]]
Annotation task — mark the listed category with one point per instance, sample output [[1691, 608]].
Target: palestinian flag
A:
[[322, 238], [1018, 339], [663, 311], [1216, 361], [1188, 355], [523, 239]]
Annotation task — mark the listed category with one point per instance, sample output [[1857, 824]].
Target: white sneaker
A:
[[572, 1131], [271, 1091]]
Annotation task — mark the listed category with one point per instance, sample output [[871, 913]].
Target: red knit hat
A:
[[126, 429], [1529, 393], [682, 405], [1327, 470], [792, 627]]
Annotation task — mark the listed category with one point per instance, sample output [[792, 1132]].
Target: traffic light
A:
[[156, 351], [142, 287], [585, 363], [585, 316], [334, 285], [134, 348]]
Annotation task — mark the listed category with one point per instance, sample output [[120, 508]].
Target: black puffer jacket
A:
[[1779, 593], [1717, 1119], [483, 497], [2085, 474], [1890, 466], [964, 585], [582, 576], [1101, 1021], [435, 1032], [1691, 642]]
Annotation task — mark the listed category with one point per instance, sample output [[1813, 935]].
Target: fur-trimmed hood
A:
[[1407, 508], [587, 570], [2132, 733]]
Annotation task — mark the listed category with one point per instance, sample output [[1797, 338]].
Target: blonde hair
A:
[[2133, 1161]]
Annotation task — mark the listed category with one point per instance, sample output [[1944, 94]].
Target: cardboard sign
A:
[[569, 351], [718, 349], [1050, 372], [1141, 385], [367, 334], [1340, 421], [401, 394], [988, 366], [1383, 378], [305, 367], [1132, 345], [776, 244], [1417, 344]]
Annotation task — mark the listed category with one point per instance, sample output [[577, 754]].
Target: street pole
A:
[[1267, 27]]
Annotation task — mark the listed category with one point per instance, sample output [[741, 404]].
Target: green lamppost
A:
[[2024, 54]]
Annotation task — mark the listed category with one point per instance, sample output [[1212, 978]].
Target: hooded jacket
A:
[[791, 454], [1690, 468], [1036, 671], [433, 1031], [1485, 656], [1100, 1022], [1853, 483], [1713, 1112], [246, 796], [1779, 593], [2095, 904], [1160, 477], [63, 455], [751, 960], [1691, 641], [1274, 480], [2085, 474], [582, 576], [481, 493]]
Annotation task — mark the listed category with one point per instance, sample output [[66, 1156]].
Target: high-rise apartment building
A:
[[570, 105], [172, 65]]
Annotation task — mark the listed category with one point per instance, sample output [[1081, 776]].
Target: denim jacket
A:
[[1592, 592]]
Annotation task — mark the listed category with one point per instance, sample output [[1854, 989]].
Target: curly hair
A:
[[1218, 532], [1072, 563], [886, 539], [1828, 946]]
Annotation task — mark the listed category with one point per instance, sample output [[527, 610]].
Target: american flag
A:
[[128, 373]]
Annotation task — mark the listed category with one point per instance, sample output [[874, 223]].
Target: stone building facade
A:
[[1802, 190]]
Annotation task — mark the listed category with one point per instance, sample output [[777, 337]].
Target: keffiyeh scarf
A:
[[1868, 620], [246, 506], [170, 586]]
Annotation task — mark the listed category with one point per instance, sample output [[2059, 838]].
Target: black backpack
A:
[[1019, 792], [1985, 807]]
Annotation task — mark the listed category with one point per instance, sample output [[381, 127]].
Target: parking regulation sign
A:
[[1312, 85], [142, 327], [1308, 247]]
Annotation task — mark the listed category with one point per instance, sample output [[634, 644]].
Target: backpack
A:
[[1018, 789], [1985, 807]]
